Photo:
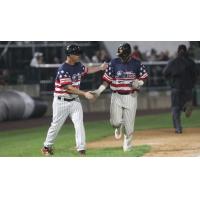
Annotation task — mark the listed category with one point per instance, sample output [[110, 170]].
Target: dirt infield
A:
[[163, 142]]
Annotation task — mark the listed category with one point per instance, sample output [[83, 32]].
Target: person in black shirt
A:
[[181, 73]]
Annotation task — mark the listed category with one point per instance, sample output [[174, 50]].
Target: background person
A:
[[182, 75]]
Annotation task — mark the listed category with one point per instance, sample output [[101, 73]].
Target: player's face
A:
[[75, 58]]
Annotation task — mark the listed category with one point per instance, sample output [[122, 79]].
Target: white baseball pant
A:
[[61, 110], [122, 111]]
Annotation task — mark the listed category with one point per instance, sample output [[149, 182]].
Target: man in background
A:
[[37, 59], [182, 74]]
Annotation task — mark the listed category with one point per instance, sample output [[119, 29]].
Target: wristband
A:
[[101, 89]]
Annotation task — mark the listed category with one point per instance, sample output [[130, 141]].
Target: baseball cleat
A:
[[82, 152], [47, 151], [119, 132], [128, 149], [178, 131]]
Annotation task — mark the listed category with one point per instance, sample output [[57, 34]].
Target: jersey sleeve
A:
[[65, 78], [142, 72], [108, 75]]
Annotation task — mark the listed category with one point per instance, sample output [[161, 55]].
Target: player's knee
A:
[[129, 131], [114, 123], [55, 125]]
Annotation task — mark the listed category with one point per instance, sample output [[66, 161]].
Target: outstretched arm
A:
[[102, 67]]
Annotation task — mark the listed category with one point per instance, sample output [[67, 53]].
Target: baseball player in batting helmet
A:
[[125, 75], [66, 98]]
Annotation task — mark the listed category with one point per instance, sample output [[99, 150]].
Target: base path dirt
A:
[[163, 142]]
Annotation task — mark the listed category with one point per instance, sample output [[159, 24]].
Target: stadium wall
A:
[[146, 101], [32, 90]]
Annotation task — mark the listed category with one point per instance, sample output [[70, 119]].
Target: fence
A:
[[156, 81]]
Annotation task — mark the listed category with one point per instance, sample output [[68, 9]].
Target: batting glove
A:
[[136, 84]]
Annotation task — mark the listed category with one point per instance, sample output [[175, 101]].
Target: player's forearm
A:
[[74, 90], [102, 67], [92, 70]]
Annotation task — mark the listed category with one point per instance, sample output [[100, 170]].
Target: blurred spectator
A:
[[156, 76], [37, 59], [191, 52], [136, 53], [152, 55], [56, 60], [34, 70], [104, 57], [4, 77], [96, 57], [100, 56], [164, 56], [85, 58], [21, 43]]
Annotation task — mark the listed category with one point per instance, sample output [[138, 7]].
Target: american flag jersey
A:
[[69, 75], [121, 75]]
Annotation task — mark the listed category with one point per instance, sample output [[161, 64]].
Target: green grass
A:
[[165, 121], [27, 142], [117, 152]]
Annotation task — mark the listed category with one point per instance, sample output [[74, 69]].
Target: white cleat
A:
[[119, 132], [128, 149]]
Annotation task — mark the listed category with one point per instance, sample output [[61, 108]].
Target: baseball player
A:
[[66, 99], [125, 75]]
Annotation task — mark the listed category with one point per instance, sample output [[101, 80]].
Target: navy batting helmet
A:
[[124, 51], [72, 49]]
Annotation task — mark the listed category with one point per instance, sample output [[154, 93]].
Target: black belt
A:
[[65, 99], [123, 93]]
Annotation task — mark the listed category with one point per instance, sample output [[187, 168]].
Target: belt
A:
[[123, 93], [65, 99]]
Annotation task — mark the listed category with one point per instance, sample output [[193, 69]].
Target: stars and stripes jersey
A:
[[69, 75], [121, 75]]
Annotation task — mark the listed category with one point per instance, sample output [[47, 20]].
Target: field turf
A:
[[28, 142]]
